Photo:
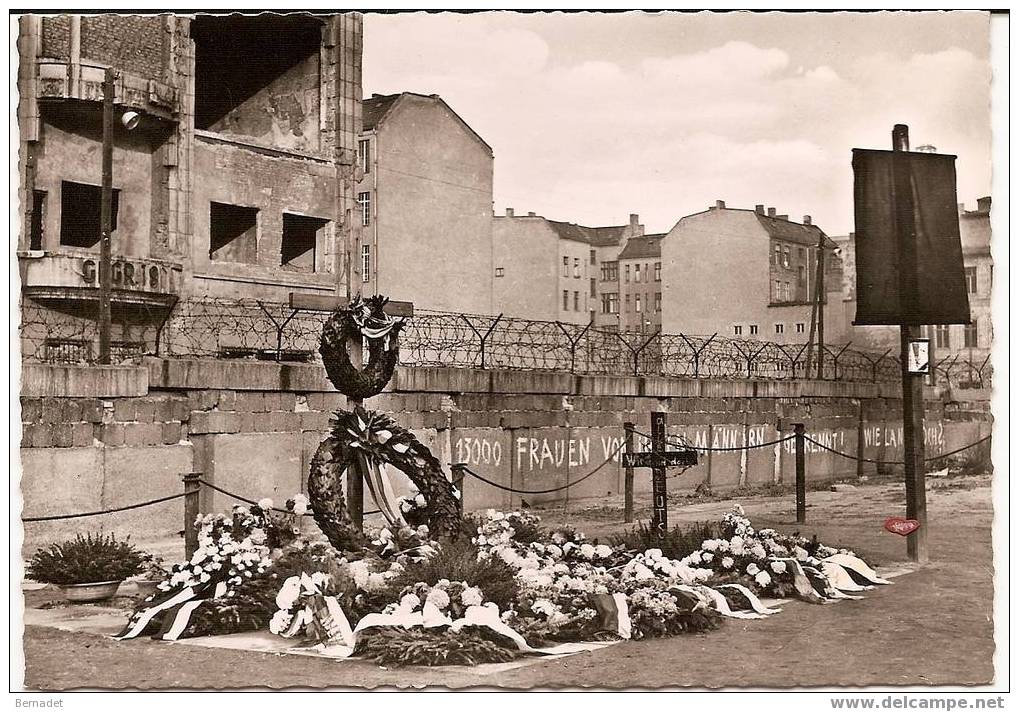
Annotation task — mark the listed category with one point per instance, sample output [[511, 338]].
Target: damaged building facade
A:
[[235, 182]]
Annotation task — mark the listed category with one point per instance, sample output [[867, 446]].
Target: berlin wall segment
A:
[[253, 428]]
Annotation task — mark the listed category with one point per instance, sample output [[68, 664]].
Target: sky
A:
[[593, 116]]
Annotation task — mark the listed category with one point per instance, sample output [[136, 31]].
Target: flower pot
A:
[[86, 592]]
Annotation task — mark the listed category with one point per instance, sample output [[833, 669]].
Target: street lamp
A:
[[130, 120]]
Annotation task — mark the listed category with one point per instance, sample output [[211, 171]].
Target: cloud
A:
[[593, 138]]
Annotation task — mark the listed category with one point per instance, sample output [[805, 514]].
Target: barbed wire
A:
[[218, 327]]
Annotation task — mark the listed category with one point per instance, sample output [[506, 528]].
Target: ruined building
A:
[[235, 182]]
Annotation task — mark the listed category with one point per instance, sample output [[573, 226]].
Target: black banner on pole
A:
[[922, 280]]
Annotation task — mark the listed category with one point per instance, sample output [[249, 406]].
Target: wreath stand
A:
[[363, 443]]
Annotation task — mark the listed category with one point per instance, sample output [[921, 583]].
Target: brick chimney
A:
[[509, 212], [984, 204], [806, 220], [759, 209], [636, 229], [719, 205], [771, 212], [531, 214]]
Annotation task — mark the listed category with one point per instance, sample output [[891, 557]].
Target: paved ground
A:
[[933, 627]]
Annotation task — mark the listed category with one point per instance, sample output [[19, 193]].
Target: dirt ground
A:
[[932, 627]]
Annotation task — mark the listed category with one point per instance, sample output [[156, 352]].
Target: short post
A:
[[458, 469], [801, 474], [192, 491], [628, 476]]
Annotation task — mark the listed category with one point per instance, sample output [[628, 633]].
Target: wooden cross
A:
[[659, 459], [355, 349]]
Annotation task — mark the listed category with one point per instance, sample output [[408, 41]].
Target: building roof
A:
[[372, 110], [594, 236], [778, 228], [788, 231], [375, 110], [642, 247]]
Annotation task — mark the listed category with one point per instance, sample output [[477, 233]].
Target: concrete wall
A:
[[526, 249], [432, 201], [253, 428]]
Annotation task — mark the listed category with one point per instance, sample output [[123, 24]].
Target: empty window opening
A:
[[300, 237], [37, 220], [81, 212], [254, 73], [233, 233]]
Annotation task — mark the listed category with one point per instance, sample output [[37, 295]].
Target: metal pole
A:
[[106, 220], [912, 385], [628, 476], [821, 299], [801, 474], [457, 469], [659, 499], [192, 509]]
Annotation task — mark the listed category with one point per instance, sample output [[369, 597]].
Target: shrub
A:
[[86, 559], [679, 542], [458, 561]]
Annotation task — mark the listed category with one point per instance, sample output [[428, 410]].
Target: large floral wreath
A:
[[369, 441], [362, 318]]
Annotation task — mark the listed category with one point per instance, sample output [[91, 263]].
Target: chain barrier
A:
[[896, 462], [252, 502], [103, 511], [593, 472]]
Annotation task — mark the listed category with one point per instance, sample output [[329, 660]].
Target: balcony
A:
[[64, 80], [74, 275]]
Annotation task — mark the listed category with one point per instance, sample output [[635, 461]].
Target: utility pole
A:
[[912, 384], [106, 220]]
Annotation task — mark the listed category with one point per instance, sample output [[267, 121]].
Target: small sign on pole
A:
[[918, 357]]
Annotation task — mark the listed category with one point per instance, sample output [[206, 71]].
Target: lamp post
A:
[[130, 120], [106, 220]]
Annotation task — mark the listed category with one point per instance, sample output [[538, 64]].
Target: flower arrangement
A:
[[404, 599], [89, 558]]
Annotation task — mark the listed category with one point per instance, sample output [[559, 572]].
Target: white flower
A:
[[762, 579], [778, 567], [554, 551], [707, 557], [800, 553], [587, 551], [653, 554], [544, 606], [471, 596], [410, 602], [289, 592], [420, 501], [758, 551], [604, 551], [258, 536], [438, 598], [752, 569], [709, 544], [265, 504], [280, 622]]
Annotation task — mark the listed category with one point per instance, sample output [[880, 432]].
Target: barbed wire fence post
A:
[[482, 339], [573, 343]]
